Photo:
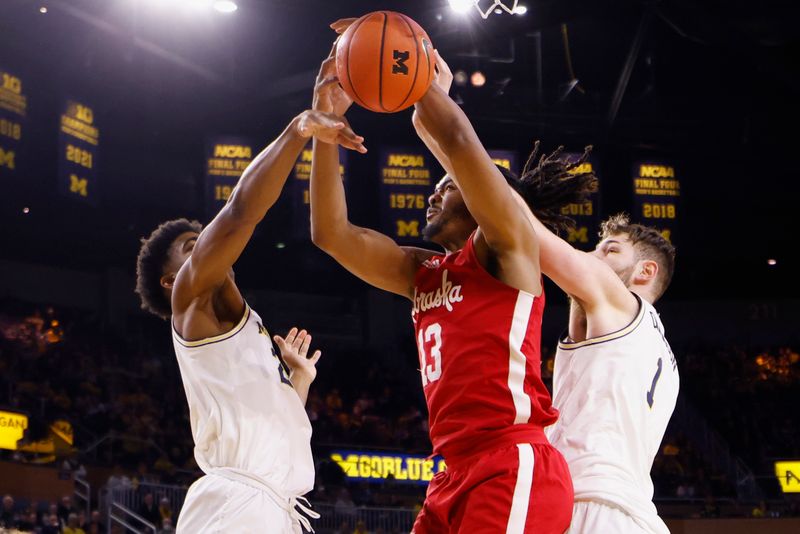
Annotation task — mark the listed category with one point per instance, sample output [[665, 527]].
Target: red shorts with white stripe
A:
[[522, 488]]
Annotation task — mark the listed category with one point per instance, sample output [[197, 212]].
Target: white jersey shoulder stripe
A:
[[216, 339], [570, 345]]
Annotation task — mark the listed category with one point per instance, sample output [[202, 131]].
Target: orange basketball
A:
[[385, 61]]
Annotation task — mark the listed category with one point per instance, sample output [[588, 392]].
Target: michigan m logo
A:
[[7, 159], [578, 235], [400, 59], [78, 185], [410, 228]]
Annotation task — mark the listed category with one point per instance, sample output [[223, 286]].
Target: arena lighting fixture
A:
[[42, 10], [280, 245], [772, 261], [225, 6], [26, 210], [520, 10], [478, 79], [460, 78], [461, 6]]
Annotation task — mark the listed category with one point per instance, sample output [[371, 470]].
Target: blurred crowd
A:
[[124, 399]]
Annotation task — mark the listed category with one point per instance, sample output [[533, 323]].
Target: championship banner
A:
[[376, 467], [406, 184], [301, 199], [78, 141], [226, 159], [585, 214], [506, 159], [13, 108], [656, 192]]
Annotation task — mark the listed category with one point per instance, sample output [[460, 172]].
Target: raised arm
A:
[[486, 193], [224, 238], [579, 274], [370, 255]]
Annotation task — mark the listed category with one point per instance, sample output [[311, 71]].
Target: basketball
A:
[[385, 61]]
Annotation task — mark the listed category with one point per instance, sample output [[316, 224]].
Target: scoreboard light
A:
[[788, 474], [12, 428]]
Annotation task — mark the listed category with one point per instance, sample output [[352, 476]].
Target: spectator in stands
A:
[[166, 527], [361, 527], [149, 511], [95, 525], [52, 525], [72, 526], [27, 521], [8, 518], [165, 509], [65, 509], [344, 503]]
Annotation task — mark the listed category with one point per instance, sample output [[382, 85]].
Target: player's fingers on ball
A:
[[329, 65], [342, 24], [326, 85]]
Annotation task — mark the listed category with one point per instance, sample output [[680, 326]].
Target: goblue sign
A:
[[403, 468], [788, 474], [12, 428]]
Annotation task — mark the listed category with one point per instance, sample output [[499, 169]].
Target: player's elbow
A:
[[324, 236]]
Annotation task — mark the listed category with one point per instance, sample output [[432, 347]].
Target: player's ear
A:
[[648, 270], [168, 280]]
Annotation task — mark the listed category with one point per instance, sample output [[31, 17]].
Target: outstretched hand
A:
[[444, 76], [329, 128], [328, 94], [294, 350]]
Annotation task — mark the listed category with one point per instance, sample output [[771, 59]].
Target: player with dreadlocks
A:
[[616, 380], [477, 311]]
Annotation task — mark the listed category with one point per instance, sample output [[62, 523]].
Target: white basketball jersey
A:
[[244, 411], [615, 395]]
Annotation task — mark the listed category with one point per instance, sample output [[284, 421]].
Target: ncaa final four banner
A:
[[406, 183], [656, 192], [78, 142], [507, 159], [301, 199], [226, 159], [13, 108], [585, 214]]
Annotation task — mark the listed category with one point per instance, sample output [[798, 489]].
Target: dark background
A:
[[713, 90]]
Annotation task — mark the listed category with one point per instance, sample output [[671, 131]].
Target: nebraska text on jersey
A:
[[446, 296]]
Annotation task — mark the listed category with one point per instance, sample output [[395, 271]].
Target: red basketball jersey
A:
[[479, 352]]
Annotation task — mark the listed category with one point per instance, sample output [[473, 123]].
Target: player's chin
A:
[[431, 231]]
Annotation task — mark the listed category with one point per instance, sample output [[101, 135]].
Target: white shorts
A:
[[218, 505], [593, 517]]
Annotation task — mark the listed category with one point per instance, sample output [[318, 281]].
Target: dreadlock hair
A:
[[150, 264], [648, 243], [551, 184]]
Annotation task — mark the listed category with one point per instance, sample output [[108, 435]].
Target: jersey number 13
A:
[[430, 365]]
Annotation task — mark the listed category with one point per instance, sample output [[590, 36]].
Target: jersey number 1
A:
[[431, 372], [653, 385]]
